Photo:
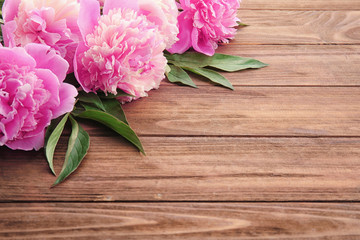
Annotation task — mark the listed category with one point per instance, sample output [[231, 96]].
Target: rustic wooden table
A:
[[279, 157]]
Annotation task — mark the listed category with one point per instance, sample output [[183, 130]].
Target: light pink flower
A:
[[205, 23], [164, 14], [50, 22], [32, 93], [121, 49]]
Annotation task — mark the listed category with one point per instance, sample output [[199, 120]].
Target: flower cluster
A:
[[111, 46]]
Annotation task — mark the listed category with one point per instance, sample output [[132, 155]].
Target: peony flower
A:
[[32, 93], [164, 14], [121, 49], [205, 23], [50, 22]]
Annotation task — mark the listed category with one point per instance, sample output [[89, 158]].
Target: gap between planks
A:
[[298, 9], [182, 201]]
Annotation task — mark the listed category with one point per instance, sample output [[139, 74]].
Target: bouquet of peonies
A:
[[118, 50]]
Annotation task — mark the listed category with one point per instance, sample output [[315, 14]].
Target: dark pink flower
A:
[[32, 93], [205, 23]]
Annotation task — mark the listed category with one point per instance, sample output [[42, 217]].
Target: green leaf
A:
[[52, 137], [109, 105], [113, 107], [78, 109], [167, 69], [231, 63], [241, 24], [78, 147], [115, 124], [112, 96], [223, 62], [90, 107], [91, 98], [212, 76], [177, 74], [189, 59]]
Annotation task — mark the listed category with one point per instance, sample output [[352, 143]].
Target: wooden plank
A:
[[247, 111], [192, 169], [298, 65], [299, 27], [180, 221], [303, 4]]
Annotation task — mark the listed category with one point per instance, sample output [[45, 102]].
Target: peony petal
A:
[[10, 9], [185, 28], [51, 84], [164, 14], [17, 56], [11, 125], [153, 12], [201, 44], [88, 16], [48, 59], [80, 74], [28, 144], [8, 30], [67, 99], [116, 4]]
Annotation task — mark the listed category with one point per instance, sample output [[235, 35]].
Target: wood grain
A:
[[299, 27], [296, 65], [179, 221], [303, 4], [289, 133], [193, 169], [247, 111]]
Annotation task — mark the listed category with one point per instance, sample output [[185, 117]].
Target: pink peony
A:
[[50, 22], [121, 49], [32, 93], [205, 23], [164, 14]]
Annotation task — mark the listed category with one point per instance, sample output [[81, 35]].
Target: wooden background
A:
[[278, 158]]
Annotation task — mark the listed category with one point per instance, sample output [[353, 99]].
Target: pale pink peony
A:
[[32, 93], [164, 14], [50, 22], [205, 23], [121, 50]]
